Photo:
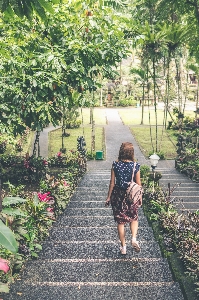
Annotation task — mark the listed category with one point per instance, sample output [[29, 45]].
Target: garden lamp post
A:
[[154, 158]]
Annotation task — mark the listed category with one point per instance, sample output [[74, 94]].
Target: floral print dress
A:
[[123, 210]]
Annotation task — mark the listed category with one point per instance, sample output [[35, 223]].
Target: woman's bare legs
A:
[[121, 233], [134, 228]]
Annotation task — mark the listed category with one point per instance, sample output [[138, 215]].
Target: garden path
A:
[[81, 260]]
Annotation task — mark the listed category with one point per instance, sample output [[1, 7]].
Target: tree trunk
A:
[[142, 105]]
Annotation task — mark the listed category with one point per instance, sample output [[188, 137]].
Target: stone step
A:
[[103, 233], [95, 291], [169, 171], [100, 184], [92, 221], [100, 203], [185, 198], [97, 270], [94, 250], [87, 212], [175, 174], [92, 203], [174, 184], [192, 190], [104, 211], [174, 180], [188, 205], [95, 191], [79, 196], [96, 176]]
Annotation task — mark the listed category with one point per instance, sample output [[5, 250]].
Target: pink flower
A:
[[65, 183], [59, 154], [45, 162], [50, 209], [4, 265], [45, 197], [50, 213]]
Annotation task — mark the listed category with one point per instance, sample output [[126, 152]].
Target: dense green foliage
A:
[[176, 232], [31, 206], [43, 63]]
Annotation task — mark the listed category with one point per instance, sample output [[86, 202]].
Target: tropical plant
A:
[[26, 8], [7, 238], [50, 60]]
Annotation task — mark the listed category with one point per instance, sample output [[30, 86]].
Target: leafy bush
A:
[[73, 124], [128, 101], [178, 234], [18, 169], [28, 215], [90, 155], [159, 153], [144, 170]]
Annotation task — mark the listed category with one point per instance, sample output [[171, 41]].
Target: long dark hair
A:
[[126, 151]]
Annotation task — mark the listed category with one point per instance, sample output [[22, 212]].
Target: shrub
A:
[[128, 101], [159, 153], [177, 233], [144, 170], [28, 215]]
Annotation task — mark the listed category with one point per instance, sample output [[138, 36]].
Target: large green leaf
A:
[[25, 7], [7, 238], [36, 200], [48, 6], [14, 212], [39, 9], [4, 288], [7, 201]]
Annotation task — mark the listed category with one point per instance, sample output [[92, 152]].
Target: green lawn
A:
[[132, 116], [70, 143], [99, 116], [166, 141]]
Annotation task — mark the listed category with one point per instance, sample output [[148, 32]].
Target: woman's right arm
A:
[[137, 178], [111, 185]]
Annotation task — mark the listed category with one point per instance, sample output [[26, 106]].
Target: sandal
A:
[[136, 246], [123, 249]]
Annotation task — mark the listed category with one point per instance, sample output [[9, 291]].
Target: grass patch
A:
[[99, 115], [132, 116], [166, 144], [70, 143]]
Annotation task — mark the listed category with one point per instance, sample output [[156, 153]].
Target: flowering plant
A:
[[45, 197], [4, 265]]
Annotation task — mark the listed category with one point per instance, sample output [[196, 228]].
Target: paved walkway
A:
[[80, 260]]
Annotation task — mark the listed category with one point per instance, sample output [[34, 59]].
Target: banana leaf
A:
[[7, 238], [7, 201]]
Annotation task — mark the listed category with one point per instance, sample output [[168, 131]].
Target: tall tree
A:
[[42, 62]]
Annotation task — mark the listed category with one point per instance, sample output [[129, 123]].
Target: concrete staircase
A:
[[81, 260], [186, 194]]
